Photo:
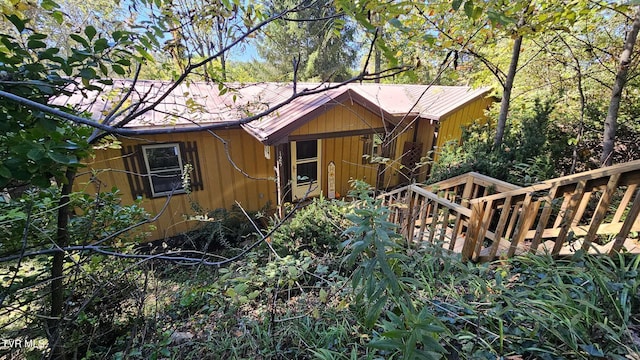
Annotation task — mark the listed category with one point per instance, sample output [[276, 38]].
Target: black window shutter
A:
[[189, 151], [136, 170]]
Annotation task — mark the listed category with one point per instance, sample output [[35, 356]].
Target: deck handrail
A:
[[565, 180], [444, 202], [421, 212], [590, 205], [524, 214], [484, 180]]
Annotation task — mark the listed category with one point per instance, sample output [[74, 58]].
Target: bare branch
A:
[[175, 256]]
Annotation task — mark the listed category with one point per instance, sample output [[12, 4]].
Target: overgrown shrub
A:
[[528, 154], [100, 292], [221, 229], [317, 227]]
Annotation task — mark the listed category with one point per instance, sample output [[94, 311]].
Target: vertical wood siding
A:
[[451, 126], [346, 152], [223, 185], [341, 117]]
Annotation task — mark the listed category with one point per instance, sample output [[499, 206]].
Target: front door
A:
[[305, 169]]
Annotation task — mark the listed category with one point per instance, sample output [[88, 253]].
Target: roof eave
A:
[[279, 136]]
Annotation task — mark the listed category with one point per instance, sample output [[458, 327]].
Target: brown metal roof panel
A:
[[199, 103], [290, 117]]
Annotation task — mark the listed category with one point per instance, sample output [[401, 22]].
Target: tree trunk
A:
[[223, 56], [508, 85], [377, 60], [611, 122], [57, 268]]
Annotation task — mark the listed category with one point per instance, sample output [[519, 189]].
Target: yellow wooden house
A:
[[310, 146]]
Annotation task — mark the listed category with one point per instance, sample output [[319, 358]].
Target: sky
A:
[[244, 52]]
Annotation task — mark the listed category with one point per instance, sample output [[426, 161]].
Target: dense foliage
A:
[[532, 145], [336, 281], [381, 298], [323, 50]]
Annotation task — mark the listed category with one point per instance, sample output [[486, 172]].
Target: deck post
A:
[[410, 220], [472, 232]]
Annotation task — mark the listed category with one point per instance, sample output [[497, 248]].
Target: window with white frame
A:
[[164, 167]]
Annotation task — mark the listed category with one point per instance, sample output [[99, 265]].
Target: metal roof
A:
[[195, 104]]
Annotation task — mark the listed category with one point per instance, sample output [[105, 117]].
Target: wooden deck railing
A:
[[462, 188], [423, 215], [484, 218]]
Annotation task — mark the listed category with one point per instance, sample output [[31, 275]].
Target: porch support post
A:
[[282, 171]]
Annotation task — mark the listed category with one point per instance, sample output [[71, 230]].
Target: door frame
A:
[[298, 191]]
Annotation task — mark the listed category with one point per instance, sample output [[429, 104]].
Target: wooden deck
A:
[[483, 218]]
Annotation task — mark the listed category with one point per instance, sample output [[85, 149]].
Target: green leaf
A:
[[456, 4], [323, 295], [143, 52], [4, 172], [394, 334], [36, 44], [117, 35], [35, 154], [396, 23], [49, 5], [468, 8], [79, 39], [477, 12], [58, 16], [592, 350], [41, 181], [118, 69], [100, 45], [90, 31], [62, 158], [17, 22], [383, 344], [88, 73]]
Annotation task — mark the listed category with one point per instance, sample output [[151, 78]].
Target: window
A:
[[372, 149], [164, 167]]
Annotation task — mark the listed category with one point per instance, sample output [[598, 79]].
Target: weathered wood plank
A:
[[483, 228], [502, 223], [472, 232], [512, 220], [563, 207], [530, 211], [434, 222], [569, 213], [544, 219], [601, 210], [624, 202], [632, 216]]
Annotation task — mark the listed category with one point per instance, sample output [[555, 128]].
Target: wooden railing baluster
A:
[[624, 202], [632, 217], [544, 219], [502, 223], [530, 209], [569, 214], [601, 211]]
